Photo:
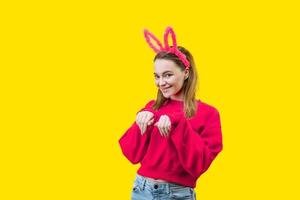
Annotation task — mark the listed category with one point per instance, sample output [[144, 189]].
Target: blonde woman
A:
[[175, 137]]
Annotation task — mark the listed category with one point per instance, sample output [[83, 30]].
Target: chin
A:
[[168, 95]]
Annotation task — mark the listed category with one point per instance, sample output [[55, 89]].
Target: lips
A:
[[165, 89]]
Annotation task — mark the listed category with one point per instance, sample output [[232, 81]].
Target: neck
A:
[[178, 97]]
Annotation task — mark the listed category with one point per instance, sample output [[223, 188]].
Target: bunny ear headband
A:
[[167, 48]]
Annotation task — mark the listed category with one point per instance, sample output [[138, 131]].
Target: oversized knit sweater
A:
[[193, 143]]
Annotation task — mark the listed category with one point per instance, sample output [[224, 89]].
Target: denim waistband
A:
[[144, 182]]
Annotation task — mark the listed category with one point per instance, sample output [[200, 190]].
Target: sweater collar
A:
[[181, 101], [175, 101]]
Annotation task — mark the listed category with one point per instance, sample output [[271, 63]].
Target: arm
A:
[[133, 144], [196, 151]]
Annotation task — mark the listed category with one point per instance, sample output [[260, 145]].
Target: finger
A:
[[157, 124], [168, 120], [150, 115], [138, 118], [164, 131], [168, 124], [167, 131], [150, 121], [161, 128], [142, 130], [168, 128], [164, 126], [143, 120], [161, 131], [138, 121]]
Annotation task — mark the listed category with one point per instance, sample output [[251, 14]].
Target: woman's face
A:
[[169, 78]]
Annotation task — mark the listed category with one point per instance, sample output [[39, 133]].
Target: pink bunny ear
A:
[[149, 35], [168, 31], [174, 49]]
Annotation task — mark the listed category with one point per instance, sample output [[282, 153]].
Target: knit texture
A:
[[185, 154]]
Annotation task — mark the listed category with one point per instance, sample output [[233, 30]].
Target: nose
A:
[[161, 82]]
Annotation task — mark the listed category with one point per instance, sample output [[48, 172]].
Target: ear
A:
[[168, 31], [148, 35], [186, 75]]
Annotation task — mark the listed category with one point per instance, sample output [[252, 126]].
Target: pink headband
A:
[[167, 48]]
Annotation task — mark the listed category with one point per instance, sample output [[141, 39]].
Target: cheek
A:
[[178, 84], [172, 81]]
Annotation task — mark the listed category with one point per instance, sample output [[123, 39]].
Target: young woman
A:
[[175, 138]]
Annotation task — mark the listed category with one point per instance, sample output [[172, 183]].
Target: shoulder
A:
[[209, 114], [150, 103], [207, 108]]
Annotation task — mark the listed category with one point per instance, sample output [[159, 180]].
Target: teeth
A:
[[165, 90]]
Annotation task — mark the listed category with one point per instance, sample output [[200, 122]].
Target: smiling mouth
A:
[[164, 89]]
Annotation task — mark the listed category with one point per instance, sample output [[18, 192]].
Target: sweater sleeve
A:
[[197, 150], [133, 144]]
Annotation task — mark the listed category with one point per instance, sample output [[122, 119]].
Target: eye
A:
[[168, 75]]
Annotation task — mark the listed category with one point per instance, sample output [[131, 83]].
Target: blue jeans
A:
[[145, 189]]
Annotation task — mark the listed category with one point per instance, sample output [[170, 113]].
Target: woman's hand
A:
[[144, 119], [164, 125]]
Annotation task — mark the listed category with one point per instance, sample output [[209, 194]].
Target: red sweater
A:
[[185, 154]]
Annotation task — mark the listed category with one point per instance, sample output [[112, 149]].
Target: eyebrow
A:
[[164, 72]]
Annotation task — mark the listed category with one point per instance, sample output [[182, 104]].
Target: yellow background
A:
[[74, 74]]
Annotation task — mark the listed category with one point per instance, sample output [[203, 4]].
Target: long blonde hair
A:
[[189, 86]]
